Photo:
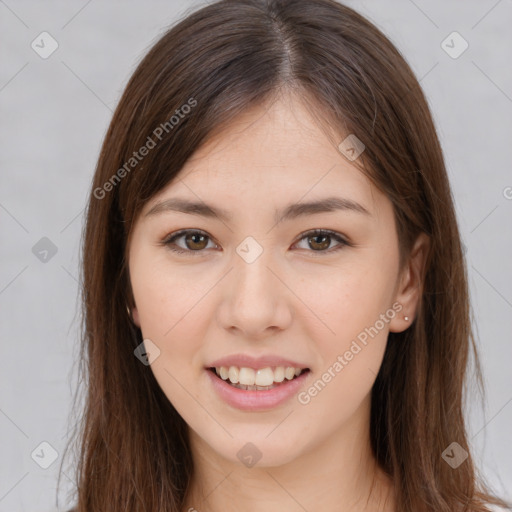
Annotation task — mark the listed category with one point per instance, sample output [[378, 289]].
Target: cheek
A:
[[166, 296], [350, 362], [343, 301], [354, 309], [174, 322]]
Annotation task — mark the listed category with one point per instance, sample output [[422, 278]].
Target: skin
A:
[[292, 301]]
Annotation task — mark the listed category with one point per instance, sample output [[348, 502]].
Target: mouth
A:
[[262, 379]]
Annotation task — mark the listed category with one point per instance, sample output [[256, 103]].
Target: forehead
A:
[[273, 154], [280, 135]]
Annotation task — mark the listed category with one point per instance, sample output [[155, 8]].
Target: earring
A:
[[129, 311], [406, 318]]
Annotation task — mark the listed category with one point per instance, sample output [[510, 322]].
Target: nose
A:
[[255, 302]]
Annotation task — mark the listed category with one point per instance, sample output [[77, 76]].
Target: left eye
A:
[[196, 241], [320, 239]]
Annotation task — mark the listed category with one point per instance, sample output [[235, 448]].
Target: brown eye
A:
[[320, 240], [194, 242]]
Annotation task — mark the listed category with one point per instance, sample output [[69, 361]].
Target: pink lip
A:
[[257, 400], [243, 360]]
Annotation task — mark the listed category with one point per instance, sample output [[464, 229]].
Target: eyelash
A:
[[169, 241]]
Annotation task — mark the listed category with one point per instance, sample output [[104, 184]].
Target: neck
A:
[[340, 474]]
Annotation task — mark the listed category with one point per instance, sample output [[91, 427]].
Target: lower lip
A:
[[256, 400]]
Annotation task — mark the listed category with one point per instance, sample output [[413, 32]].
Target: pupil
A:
[[194, 241], [324, 237]]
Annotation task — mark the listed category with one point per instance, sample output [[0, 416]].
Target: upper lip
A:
[[247, 361]]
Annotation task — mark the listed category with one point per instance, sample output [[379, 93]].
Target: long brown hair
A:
[[133, 451]]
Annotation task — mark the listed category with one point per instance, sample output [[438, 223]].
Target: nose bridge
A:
[[252, 275], [256, 301]]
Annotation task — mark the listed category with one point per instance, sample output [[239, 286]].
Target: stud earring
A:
[[406, 318]]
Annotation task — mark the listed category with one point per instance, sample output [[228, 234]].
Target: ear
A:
[[410, 284], [135, 317], [133, 313]]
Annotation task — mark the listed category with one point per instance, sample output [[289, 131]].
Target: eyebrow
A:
[[292, 211]]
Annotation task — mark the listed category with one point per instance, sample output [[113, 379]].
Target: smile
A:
[[256, 389], [261, 379]]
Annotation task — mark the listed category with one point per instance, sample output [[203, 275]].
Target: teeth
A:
[[233, 374], [264, 377], [289, 373], [248, 378], [279, 374]]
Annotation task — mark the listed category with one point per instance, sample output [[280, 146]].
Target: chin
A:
[[258, 450]]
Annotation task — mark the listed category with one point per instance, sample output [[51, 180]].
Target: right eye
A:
[[194, 241]]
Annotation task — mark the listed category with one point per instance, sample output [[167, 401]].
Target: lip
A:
[[255, 401], [247, 361]]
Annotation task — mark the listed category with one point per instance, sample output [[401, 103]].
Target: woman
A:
[[275, 296]]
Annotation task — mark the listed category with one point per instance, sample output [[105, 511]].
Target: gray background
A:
[[54, 114]]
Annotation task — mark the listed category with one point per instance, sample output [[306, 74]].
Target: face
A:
[[261, 285]]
